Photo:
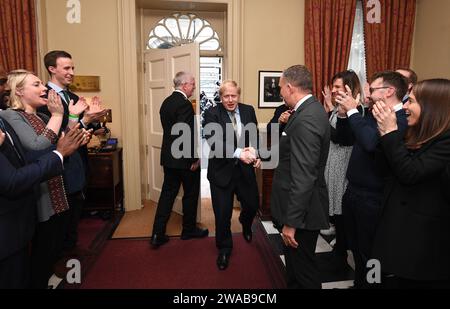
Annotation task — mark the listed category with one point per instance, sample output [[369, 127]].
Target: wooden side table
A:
[[105, 184]]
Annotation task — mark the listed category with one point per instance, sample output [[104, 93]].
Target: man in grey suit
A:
[[299, 201]]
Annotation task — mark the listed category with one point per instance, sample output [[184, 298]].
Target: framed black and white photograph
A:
[[269, 91]]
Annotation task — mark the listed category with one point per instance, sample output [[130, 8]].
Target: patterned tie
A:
[[234, 122]]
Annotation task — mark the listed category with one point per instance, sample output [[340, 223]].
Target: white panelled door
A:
[[161, 65]]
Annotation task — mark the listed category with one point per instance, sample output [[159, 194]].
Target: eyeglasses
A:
[[371, 90]]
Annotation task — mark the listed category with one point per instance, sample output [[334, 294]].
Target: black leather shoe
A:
[[158, 240], [246, 231], [197, 233], [222, 261]]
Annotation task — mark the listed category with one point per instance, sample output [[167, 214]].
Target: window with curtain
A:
[[357, 61]]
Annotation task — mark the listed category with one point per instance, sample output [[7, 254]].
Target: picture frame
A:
[[269, 95]]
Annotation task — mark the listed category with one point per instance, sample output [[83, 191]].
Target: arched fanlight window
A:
[[180, 29]]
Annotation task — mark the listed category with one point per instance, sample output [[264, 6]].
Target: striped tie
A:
[[234, 123]]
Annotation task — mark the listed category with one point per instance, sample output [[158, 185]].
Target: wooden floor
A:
[[139, 223]]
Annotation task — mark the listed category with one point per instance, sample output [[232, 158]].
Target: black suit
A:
[[414, 228], [75, 175], [228, 175], [177, 109], [278, 111], [18, 182], [299, 193]]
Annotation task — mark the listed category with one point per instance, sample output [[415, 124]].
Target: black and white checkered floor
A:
[[335, 273]]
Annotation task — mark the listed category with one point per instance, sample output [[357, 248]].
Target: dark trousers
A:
[[76, 202], [222, 202], [173, 178], [46, 248], [301, 266], [15, 270], [340, 248], [361, 210]]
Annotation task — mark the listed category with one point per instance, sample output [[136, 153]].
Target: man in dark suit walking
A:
[[299, 200], [184, 169], [232, 172], [18, 181]]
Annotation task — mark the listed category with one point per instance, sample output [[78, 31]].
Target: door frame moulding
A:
[[129, 92], [129, 111]]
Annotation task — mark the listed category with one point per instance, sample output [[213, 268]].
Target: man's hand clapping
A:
[[95, 111], [386, 118], [77, 109], [70, 142]]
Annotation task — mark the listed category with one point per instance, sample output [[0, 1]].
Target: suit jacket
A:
[[446, 182], [76, 166], [299, 193], [278, 111], [414, 226], [177, 109], [220, 169], [18, 182], [362, 132]]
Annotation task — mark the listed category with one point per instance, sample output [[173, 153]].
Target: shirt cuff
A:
[[352, 112], [59, 155], [82, 123], [237, 153]]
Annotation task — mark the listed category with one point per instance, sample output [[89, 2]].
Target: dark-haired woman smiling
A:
[[411, 239]]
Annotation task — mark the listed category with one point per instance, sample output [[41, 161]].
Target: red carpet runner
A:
[[190, 264]]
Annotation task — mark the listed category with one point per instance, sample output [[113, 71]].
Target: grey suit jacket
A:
[[299, 194]]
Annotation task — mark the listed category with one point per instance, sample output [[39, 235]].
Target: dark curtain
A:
[[18, 44], [328, 38], [388, 44]]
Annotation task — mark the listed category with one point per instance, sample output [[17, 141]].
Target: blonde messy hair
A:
[[16, 81], [229, 83]]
